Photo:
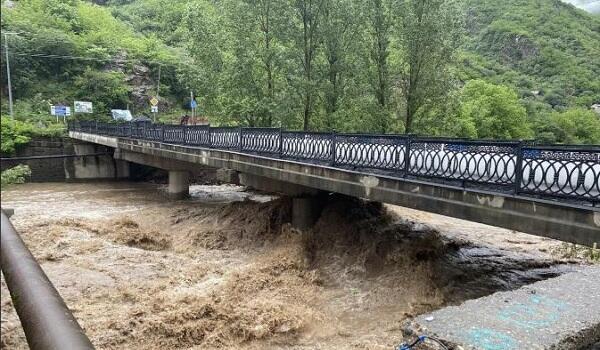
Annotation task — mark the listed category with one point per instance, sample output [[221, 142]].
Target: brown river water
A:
[[224, 270]]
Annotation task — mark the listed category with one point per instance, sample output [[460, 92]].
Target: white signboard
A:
[[154, 109], [121, 114], [83, 107]]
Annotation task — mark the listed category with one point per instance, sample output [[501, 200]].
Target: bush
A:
[[573, 126], [15, 132], [15, 175]]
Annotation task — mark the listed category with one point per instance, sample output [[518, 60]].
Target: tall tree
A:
[[429, 35], [308, 14], [339, 31], [202, 22], [380, 25], [250, 76]]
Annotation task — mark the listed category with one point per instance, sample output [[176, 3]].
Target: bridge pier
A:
[[307, 203], [179, 184], [306, 210]]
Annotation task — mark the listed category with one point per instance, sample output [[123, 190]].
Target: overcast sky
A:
[[588, 5]]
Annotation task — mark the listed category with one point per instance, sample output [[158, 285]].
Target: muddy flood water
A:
[[224, 270]]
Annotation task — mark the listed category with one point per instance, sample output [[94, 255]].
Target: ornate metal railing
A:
[[554, 172]]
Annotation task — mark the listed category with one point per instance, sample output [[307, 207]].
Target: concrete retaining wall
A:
[[67, 169]]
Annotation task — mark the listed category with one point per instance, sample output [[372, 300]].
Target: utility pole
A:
[[158, 84], [10, 99], [157, 92]]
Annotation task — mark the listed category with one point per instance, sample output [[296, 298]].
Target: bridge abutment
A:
[[96, 167], [179, 184]]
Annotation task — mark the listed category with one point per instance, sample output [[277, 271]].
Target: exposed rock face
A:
[[140, 78]]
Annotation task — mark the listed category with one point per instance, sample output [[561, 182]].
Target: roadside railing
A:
[[47, 322], [558, 171]]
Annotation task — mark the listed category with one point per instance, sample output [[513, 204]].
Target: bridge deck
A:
[[567, 173], [559, 313], [555, 218]]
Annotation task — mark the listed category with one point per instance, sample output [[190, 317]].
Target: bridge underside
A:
[[567, 222]]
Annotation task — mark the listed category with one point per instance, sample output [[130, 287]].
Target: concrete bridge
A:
[[546, 191]]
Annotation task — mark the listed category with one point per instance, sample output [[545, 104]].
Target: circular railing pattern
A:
[[225, 137], [197, 135], [562, 173], [265, 140], [307, 145], [370, 151], [483, 163]]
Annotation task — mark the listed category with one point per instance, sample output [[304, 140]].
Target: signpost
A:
[[60, 111], [154, 107], [82, 107], [193, 105], [121, 114]]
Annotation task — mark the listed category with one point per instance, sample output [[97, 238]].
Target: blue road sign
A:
[[60, 111], [193, 104]]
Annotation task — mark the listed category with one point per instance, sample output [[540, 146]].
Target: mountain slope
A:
[[546, 49]]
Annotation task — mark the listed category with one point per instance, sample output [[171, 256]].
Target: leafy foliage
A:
[[573, 126], [492, 112], [16, 133], [473, 68], [15, 175]]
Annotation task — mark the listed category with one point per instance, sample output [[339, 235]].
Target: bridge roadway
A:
[[557, 195]]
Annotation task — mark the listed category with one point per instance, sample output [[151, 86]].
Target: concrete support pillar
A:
[[179, 184], [94, 167], [306, 211], [228, 176]]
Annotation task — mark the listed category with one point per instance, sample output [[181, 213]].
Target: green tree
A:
[[380, 25], [492, 111], [306, 36], [340, 30], [107, 89], [429, 35], [573, 126]]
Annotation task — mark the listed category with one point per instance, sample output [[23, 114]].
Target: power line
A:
[[74, 57], [95, 59]]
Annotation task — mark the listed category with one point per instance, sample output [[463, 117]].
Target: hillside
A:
[[74, 50], [545, 51]]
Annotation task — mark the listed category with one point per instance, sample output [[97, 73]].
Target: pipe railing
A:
[[518, 167], [47, 321]]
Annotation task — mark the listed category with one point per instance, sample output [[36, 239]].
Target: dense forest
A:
[[513, 69]]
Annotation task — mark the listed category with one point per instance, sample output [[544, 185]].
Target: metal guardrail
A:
[[47, 321], [559, 171]]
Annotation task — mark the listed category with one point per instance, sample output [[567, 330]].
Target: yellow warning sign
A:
[[154, 101]]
